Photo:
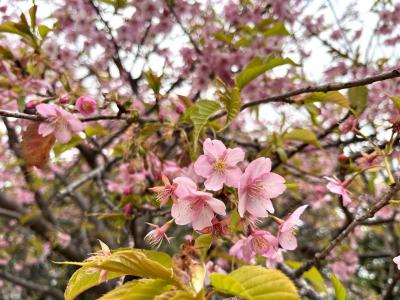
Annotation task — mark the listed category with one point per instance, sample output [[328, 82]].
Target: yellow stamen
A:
[[219, 166]]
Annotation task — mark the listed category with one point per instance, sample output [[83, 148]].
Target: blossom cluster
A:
[[61, 123], [256, 186]]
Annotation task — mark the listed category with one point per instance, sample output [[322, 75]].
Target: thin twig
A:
[[91, 175]]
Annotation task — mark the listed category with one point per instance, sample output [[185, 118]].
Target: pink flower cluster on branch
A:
[[255, 188]]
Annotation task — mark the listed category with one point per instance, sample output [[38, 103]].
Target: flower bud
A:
[[63, 99], [32, 104], [86, 105]]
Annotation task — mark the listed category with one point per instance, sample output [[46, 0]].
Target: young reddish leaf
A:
[[34, 147]]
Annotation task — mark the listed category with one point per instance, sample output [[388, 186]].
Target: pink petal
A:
[[396, 260], [287, 240], [62, 134], [75, 124], [202, 166], [233, 156], [269, 206], [346, 198], [334, 188], [242, 203], [257, 208], [258, 167], [236, 249], [213, 148], [293, 218], [182, 212], [247, 251], [215, 181], [203, 219], [46, 110], [217, 206], [232, 176], [274, 184], [45, 129], [184, 186]]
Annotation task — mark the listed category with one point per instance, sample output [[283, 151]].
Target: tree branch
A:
[[286, 97], [348, 229], [37, 287], [41, 228], [91, 175]]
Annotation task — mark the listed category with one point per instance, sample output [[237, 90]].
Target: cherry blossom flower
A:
[[86, 105], [396, 260], [258, 242], [59, 122], [155, 237], [257, 186], [218, 165], [286, 235], [194, 206], [337, 187], [164, 192]]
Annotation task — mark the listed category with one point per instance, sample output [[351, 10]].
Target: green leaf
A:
[[224, 37], [135, 262], [96, 129], [257, 66], [15, 28], [358, 96], [202, 111], [144, 289], [84, 279], [302, 135], [174, 295], [5, 53], [332, 97], [162, 258], [43, 31], [255, 282], [312, 275], [232, 103], [396, 101], [154, 81], [314, 112], [282, 154], [32, 14], [60, 148], [340, 291], [278, 29], [116, 3], [203, 243]]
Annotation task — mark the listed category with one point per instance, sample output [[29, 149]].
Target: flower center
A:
[[219, 166], [87, 107], [259, 244]]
